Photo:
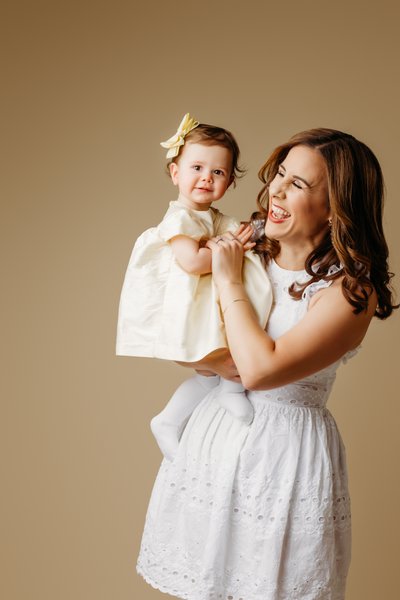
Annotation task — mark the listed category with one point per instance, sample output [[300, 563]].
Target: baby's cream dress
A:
[[167, 313]]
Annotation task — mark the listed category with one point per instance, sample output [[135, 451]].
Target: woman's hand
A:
[[243, 234], [227, 255], [219, 362]]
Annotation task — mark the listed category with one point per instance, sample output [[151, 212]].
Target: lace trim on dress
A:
[[321, 284], [188, 584]]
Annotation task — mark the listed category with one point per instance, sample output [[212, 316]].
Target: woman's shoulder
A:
[[333, 290], [328, 302], [328, 331]]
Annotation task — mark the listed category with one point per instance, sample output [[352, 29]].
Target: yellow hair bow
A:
[[176, 141]]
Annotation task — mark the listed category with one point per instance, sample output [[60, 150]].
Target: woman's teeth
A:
[[279, 213]]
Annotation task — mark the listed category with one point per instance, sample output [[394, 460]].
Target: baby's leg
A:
[[232, 397], [168, 425]]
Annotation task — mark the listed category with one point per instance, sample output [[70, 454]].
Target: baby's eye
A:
[[218, 172], [196, 167]]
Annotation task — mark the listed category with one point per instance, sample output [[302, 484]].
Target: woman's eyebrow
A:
[[296, 176]]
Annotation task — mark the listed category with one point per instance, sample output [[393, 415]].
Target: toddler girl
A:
[[169, 306]]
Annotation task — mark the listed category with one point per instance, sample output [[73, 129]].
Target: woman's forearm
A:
[[250, 346], [326, 332]]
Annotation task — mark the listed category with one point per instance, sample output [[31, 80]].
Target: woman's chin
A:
[[276, 232]]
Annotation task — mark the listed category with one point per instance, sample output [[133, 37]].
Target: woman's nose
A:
[[277, 188]]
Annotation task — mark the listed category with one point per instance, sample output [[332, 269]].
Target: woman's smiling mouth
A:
[[278, 214]]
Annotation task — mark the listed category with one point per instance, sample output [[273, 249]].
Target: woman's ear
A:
[[173, 171]]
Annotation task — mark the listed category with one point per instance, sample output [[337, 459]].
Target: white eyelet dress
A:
[[259, 512]]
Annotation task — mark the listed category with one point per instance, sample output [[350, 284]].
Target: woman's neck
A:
[[291, 258]]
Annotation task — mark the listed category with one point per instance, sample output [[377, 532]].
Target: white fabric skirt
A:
[[259, 512]]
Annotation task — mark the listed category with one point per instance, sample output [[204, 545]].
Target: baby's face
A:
[[203, 174]]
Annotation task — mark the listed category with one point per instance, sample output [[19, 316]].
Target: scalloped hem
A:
[[338, 595], [158, 587]]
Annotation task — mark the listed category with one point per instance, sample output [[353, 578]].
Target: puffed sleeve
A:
[[182, 222], [226, 223]]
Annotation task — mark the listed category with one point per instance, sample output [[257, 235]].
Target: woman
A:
[[262, 512]]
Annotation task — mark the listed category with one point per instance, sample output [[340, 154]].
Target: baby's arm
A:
[[195, 259], [191, 257]]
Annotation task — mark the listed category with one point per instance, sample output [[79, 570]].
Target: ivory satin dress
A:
[[164, 312]]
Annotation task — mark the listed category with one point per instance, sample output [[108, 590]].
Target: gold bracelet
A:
[[233, 302]]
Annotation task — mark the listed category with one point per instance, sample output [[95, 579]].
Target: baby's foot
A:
[[237, 404], [167, 436]]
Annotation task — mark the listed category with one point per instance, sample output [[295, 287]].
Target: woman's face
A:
[[298, 209]]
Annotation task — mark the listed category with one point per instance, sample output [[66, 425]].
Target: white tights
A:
[[168, 425]]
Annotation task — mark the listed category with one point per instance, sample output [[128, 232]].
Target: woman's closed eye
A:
[[295, 182]]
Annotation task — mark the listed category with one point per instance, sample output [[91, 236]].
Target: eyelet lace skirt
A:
[[253, 513]]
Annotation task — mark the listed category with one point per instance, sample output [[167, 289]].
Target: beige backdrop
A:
[[89, 89]]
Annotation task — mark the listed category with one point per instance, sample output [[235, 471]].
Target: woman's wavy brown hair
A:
[[355, 241]]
